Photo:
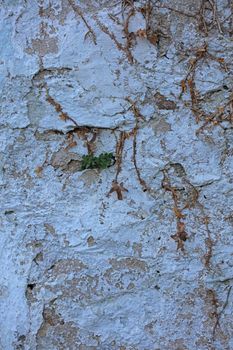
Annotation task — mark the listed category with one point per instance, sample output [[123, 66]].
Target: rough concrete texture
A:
[[150, 82]]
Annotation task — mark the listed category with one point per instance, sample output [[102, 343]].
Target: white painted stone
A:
[[80, 269]]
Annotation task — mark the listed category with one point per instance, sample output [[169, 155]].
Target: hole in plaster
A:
[[31, 286]]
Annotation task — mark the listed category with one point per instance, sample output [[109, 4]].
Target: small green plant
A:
[[103, 161]]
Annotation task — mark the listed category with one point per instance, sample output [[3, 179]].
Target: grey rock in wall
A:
[[137, 255]]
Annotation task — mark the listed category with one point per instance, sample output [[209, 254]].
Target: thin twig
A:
[[209, 244], [138, 116], [78, 11], [175, 10], [62, 115], [119, 152], [128, 36], [199, 15], [110, 34], [180, 236], [217, 323]]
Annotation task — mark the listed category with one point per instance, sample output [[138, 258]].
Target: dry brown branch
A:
[[81, 131], [62, 115], [180, 236], [119, 152], [78, 11], [114, 19], [188, 83], [142, 182], [223, 113], [110, 34], [120, 47], [90, 143], [209, 244], [128, 35], [200, 53], [212, 303], [118, 188], [128, 11], [147, 11], [136, 112], [218, 316], [126, 3], [138, 117], [175, 10], [200, 15], [70, 140]]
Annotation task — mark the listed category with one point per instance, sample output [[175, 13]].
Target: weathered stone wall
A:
[[150, 82]]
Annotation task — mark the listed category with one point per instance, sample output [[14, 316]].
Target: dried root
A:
[[188, 84], [78, 11], [180, 236]]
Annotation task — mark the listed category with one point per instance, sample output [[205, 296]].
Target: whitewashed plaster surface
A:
[[83, 270]]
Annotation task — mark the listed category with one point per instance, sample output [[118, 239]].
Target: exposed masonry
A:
[[137, 256]]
